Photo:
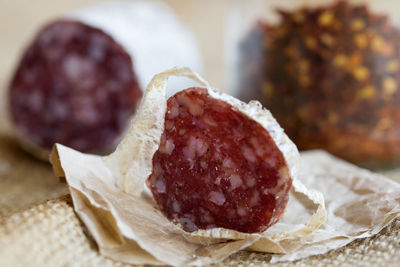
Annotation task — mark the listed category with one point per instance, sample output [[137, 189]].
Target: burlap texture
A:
[[24, 180], [50, 234]]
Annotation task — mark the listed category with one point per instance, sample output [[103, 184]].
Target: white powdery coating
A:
[[150, 32], [256, 112]]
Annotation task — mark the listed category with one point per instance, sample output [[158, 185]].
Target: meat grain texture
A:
[[217, 167], [75, 85]]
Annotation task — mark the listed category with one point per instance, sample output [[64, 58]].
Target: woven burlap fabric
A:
[[50, 234], [47, 235]]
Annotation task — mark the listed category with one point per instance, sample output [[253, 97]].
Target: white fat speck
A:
[[235, 181], [283, 189], [77, 68], [257, 146], [210, 121], [200, 123], [97, 44], [217, 197], [273, 219], [59, 109], [217, 156], [202, 147], [283, 174], [173, 111], [84, 110], [270, 162], [87, 114], [204, 164], [248, 154], [250, 181], [241, 211], [255, 199], [176, 206], [188, 152], [281, 184], [35, 100], [195, 107], [228, 163], [169, 125], [237, 134], [182, 132], [160, 185], [192, 141], [167, 147], [188, 223], [157, 169], [195, 146]]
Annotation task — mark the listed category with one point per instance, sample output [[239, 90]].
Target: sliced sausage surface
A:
[[216, 167]]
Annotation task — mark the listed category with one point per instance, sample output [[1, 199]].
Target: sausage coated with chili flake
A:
[[75, 85], [330, 74], [217, 167]]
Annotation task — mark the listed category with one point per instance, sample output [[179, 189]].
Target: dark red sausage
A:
[[75, 86], [216, 167]]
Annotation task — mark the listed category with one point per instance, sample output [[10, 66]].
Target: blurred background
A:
[[21, 20]]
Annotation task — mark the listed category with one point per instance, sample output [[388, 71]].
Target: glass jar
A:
[[329, 71]]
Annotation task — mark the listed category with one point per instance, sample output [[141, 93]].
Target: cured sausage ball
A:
[[75, 85], [217, 167]]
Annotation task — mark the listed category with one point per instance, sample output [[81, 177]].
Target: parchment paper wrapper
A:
[[110, 198]]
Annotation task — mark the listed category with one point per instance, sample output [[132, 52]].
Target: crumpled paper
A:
[[109, 196]]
